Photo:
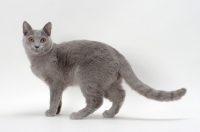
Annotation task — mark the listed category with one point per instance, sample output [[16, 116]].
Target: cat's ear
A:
[[47, 28], [26, 28]]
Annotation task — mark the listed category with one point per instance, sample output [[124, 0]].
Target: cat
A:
[[96, 67]]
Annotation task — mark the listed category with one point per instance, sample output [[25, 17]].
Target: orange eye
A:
[[31, 39], [43, 40]]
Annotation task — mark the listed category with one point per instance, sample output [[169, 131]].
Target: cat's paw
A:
[[76, 116], [48, 113], [106, 114]]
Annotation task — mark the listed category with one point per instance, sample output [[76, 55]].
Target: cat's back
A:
[[84, 45], [88, 54], [84, 50], [90, 60]]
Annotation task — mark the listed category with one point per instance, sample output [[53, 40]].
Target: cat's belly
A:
[[70, 77]]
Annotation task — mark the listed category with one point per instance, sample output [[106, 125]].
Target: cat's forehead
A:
[[37, 33]]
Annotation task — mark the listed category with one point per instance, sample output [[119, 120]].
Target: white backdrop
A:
[[160, 39]]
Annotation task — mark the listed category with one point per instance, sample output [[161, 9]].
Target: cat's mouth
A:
[[38, 51]]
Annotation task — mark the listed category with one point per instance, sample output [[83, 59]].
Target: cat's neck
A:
[[35, 57]]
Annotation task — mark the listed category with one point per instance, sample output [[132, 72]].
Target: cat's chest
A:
[[42, 70]]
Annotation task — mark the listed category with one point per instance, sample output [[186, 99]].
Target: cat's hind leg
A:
[[94, 99], [116, 95]]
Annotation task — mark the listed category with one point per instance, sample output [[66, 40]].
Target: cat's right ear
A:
[[26, 28]]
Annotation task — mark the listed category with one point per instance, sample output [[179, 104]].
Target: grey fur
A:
[[96, 67]]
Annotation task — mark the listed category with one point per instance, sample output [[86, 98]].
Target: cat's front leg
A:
[[59, 107], [55, 99]]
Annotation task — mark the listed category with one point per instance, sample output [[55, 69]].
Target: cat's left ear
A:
[[47, 28]]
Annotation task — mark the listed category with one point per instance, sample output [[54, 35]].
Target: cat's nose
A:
[[36, 47]]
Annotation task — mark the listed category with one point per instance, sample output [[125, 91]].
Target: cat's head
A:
[[37, 41]]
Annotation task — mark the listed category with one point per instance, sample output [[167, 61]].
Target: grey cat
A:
[[96, 67]]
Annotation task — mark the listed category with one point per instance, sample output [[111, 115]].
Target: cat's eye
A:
[[30, 39], [43, 40]]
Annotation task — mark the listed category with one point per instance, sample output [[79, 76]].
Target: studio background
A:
[[160, 39]]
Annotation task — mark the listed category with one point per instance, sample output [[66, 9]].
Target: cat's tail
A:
[[143, 89]]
